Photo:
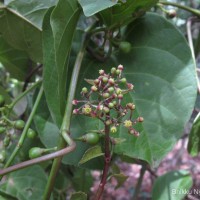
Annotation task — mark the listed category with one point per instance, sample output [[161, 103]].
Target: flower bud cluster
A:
[[104, 100]]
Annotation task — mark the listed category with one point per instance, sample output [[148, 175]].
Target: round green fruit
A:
[[2, 129], [35, 152], [2, 156], [31, 134], [91, 138], [125, 47], [19, 124]]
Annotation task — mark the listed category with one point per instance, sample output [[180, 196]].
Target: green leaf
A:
[[47, 130], [58, 30], [121, 178], [21, 33], [161, 67], [91, 7], [79, 196], [162, 71], [170, 185], [23, 185], [82, 180], [194, 138], [15, 61], [128, 11], [33, 10], [5, 196], [91, 153]]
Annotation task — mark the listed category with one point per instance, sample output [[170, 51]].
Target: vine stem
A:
[[66, 121], [192, 10], [139, 183], [190, 41], [107, 160], [23, 135]]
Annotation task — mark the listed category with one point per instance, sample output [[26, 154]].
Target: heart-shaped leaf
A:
[[21, 33]]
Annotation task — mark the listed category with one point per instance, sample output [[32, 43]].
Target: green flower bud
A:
[[84, 90]]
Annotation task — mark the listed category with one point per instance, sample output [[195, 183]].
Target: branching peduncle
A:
[[107, 159]]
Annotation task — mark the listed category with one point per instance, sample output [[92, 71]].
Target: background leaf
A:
[[194, 138], [33, 10], [23, 185], [59, 27], [15, 61], [78, 196], [124, 12], [168, 185], [91, 7], [21, 33], [161, 67]]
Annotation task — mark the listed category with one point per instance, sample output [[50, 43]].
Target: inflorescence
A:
[[104, 101]]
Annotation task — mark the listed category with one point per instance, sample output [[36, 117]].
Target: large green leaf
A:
[[124, 12], [26, 184], [59, 26], [194, 138], [21, 33], [172, 185], [91, 7], [161, 67], [33, 10], [15, 61]]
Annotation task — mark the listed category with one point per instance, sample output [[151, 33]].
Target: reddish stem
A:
[[106, 164]]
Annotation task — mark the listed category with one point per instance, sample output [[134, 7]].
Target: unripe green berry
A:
[[123, 80], [6, 141], [19, 124], [111, 81], [113, 70], [118, 72], [114, 103], [118, 91], [2, 156], [2, 129], [105, 79], [96, 81], [106, 109], [108, 122], [84, 90], [110, 89], [91, 138], [120, 96], [110, 105], [31, 134], [94, 88], [2, 100], [35, 152], [106, 95], [125, 47]]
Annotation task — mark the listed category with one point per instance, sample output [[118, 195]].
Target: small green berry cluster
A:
[[104, 100], [8, 129]]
